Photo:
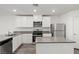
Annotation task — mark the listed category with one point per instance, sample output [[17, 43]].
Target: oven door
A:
[[36, 34]]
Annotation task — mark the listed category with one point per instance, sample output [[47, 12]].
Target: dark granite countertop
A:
[[53, 40], [29, 31], [3, 37], [23, 32]]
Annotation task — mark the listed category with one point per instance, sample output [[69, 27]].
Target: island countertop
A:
[[53, 40], [5, 37]]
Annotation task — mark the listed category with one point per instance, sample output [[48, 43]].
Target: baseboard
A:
[[17, 49], [28, 43]]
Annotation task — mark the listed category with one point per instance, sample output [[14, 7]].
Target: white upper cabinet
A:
[[24, 21], [37, 18], [29, 21], [46, 21], [20, 21]]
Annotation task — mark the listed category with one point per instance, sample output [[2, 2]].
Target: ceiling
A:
[[43, 9]]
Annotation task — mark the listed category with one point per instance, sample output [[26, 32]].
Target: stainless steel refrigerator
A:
[[58, 30]]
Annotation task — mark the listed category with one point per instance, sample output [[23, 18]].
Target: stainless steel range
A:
[[37, 30]]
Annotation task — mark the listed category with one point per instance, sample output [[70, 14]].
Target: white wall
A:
[[56, 19], [7, 23], [72, 26], [69, 19]]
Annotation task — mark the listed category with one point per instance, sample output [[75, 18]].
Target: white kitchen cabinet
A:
[[20, 21], [17, 41], [29, 21], [20, 39], [47, 34], [24, 21], [37, 18], [46, 21], [27, 38]]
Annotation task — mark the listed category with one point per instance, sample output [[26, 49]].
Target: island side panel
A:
[[55, 48]]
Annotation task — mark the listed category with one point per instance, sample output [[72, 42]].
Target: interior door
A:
[[76, 30]]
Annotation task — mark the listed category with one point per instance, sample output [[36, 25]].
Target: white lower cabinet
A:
[[47, 34], [27, 38], [17, 41], [20, 39]]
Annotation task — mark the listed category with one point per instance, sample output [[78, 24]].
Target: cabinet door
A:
[[47, 34], [37, 18], [27, 38], [21, 21], [17, 41], [29, 21], [24, 38], [21, 41], [46, 21], [24, 21]]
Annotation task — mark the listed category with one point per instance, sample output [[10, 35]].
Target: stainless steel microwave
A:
[[37, 24]]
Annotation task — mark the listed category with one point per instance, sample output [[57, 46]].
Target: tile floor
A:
[[31, 49]]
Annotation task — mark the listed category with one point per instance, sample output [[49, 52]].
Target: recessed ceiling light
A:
[[53, 10], [14, 10], [34, 10]]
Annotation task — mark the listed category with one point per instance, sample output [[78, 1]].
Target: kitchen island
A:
[[54, 45], [9, 43], [5, 44]]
